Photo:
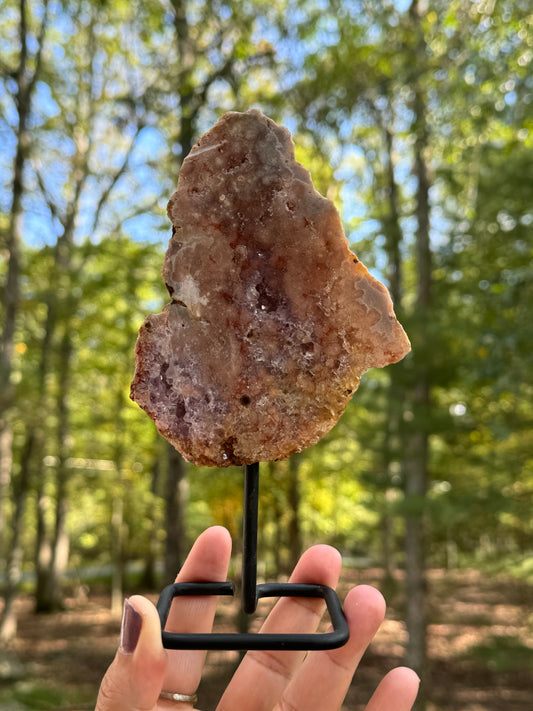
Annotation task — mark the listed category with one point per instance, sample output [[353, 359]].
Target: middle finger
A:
[[266, 672]]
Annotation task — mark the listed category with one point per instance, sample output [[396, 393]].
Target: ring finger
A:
[[323, 680]]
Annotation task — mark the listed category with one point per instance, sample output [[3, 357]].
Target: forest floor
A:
[[480, 641]]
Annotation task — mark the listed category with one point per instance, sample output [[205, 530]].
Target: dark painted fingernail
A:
[[130, 628]]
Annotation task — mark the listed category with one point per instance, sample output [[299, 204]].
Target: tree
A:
[[429, 162], [211, 50], [399, 126], [24, 70], [63, 195], [25, 74]]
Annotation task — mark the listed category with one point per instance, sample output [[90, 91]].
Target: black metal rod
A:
[[249, 534], [251, 593]]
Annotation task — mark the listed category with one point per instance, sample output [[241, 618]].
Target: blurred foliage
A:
[[503, 654], [101, 161]]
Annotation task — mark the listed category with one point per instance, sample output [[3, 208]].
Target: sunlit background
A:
[[416, 119]]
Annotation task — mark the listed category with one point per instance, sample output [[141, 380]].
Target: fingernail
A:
[[130, 628]]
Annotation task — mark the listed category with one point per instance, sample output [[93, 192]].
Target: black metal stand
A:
[[251, 593]]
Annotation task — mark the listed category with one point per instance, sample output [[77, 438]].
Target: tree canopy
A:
[[415, 118]]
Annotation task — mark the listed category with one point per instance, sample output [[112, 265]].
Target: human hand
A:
[[265, 680]]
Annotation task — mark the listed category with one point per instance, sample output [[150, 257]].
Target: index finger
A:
[[207, 561]]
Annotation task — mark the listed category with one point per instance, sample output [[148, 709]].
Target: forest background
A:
[[416, 119]]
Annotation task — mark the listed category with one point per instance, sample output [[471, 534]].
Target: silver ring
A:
[[180, 698]]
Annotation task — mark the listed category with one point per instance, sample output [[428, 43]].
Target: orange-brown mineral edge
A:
[[272, 319]]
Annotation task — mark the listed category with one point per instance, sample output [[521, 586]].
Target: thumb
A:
[[135, 678]]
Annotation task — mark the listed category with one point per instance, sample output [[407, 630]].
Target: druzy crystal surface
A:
[[272, 319]]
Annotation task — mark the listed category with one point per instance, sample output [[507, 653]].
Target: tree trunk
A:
[[175, 540], [187, 53], [416, 487], [293, 498], [25, 82], [6, 455], [43, 547], [417, 461], [118, 529], [175, 543], [396, 391], [14, 231], [391, 226], [417, 446], [8, 620], [388, 548], [52, 547], [278, 539], [149, 578], [117, 546], [48, 594], [61, 542]]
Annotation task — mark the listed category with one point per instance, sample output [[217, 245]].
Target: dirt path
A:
[[480, 642]]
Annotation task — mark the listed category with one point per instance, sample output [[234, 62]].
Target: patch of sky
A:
[[6, 46], [7, 139], [287, 46], [291, 76], [345, 128], [58, 52], [327, 31], [5, 188], [353, 159], [408, 225], [291, 124], [9, 14], [146, 227], [48, 108], [105, 29], [38, 230], [378, 269], [61, 22], [221, 96], [294, 52], [510, 98], [363, 232], [59, 144], [225, 12], [194, 11], [353, 207], [144, 175], [151, 142], [100, 59], [8, 89], [438, 233], [401, 5], [32, 44], [404, 178], [85, 227]]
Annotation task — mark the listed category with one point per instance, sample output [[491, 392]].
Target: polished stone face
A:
[[272, 320]]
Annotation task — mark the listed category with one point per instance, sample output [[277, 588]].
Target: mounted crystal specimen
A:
[[272, 320]]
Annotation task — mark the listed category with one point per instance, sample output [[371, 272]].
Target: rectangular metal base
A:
[[217, 640]]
